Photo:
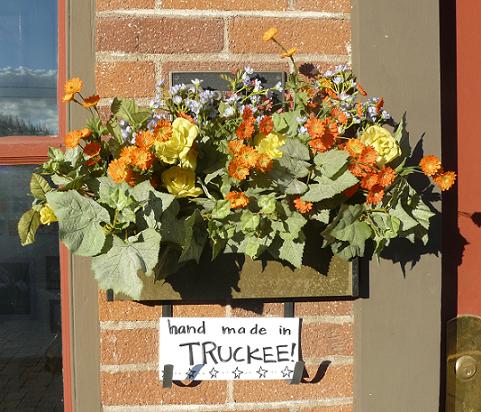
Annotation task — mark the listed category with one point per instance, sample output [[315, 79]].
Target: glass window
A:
[[30, 335], [28, 67]]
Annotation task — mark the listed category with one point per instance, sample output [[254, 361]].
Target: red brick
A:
[[103, 5], [160, 35], [326, 339], [127, 310], [145, 388], [226, 4], [126, 79], [308, 35], [339, 408], [129, 346], [336, 383], [324, 308], [199, 311], [335, 6]]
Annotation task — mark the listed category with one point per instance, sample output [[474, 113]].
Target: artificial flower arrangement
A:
[[241, 172]]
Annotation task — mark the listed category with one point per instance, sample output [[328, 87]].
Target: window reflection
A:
[[30, 344], [28, 67]]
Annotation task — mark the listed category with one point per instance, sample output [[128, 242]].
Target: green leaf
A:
[[387, 224], [195, 238], [221, 209], [422, 213], [322, 216], [118, 269], [39, 187], [398, 133], [27, 226], [295, 149], [79, 221], [328, 188], [331, 162], [267, 203], [407, 221], [249, 221], [292, 251]]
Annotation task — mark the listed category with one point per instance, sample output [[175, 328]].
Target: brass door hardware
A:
[[463, 382]]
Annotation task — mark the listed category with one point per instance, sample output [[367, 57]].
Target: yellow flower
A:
[[383, 142], [72, 87], [47, 215], [270, 144], [270, 34], [289, 53], [178, 146], [190, 160], [180, 182]]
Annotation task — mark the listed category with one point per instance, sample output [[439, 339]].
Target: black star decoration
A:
[[286, 372], [213, 373], [237, 373], [191, 374], [262, 372]]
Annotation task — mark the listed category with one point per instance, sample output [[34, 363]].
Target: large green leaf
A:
[[328, 188], [331, 162], [295, 149], [195, 238], [27, 226], [79, 221], [292, 251], [39, 187], [118, 269]]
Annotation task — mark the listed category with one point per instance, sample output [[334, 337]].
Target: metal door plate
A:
[[463, 392]]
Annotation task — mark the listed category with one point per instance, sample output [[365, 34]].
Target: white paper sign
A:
[[229, 348]]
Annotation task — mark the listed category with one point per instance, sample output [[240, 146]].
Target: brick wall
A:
[[138, 43]]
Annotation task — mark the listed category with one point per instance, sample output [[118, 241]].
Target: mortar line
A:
[[244, 406], [193, 13]]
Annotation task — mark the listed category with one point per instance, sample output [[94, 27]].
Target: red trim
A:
[[468, 32]]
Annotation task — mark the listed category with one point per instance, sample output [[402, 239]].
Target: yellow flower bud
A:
[[270, 144], [47, 215], [180, 182], [178, 146], [383, 142]]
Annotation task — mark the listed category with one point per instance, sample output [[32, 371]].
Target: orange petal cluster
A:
[[71, 88], [323, 133], [431, 166], [162, 131], [301, 206], [237, 199], [246, 129], [266, 125]]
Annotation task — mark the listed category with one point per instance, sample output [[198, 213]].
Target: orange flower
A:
[[72, 87], [237, 170], [386, 176], [144, 139], [369, 181], [301, 206], [289, 53], [237, 199], [375, 195], [355, 147], [92, 149], [72, 139], [142, 158], [361, 89], [379, 105], [332, 93], [247, 115], [91, 101], [368, 156], [264, 163], [339, 115], [445, 180], [359, 170], [85, 132], [359, 110], [430, 165], [270, 34], [127, 154], [323, 144], [92, 161], [118, 170], [234, 146], [163, 131], [248, 156], [315, 127], [245, 130], [351, 191], [266, 125], [187, 117], [131, 177]]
